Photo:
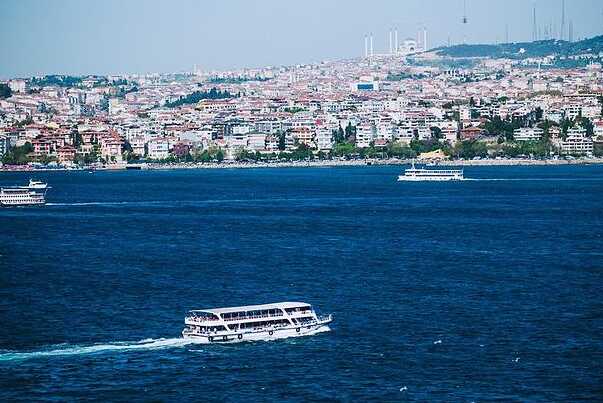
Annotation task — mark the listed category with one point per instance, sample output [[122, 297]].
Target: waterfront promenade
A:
[[318, 163]]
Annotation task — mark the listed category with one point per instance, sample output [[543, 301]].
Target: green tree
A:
[[425, 146], [338, 135], [436, 132], [302, 152], [566, 124], [350, 131], [469, 149], [281, 141], [197, 96], [18, 155], [5, 91], [586, 124], [245, 155], [203, 157], [344, 149], [398, 150], [219, 155]]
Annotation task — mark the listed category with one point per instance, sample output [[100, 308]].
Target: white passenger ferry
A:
[[31, 195], [254, 322], [422, 174]]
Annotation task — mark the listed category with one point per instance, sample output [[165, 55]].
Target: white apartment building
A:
[[138, 144], [237, 140], [424, 133], [268, 126], [576, 142], [450, 135], [324, 139], [365, 134], [591, 111], [572, 111], [158, 148], [241, 129], [256, 141], [17, 85], [528, 134], [465, 113], [385, 130], [405, 134]]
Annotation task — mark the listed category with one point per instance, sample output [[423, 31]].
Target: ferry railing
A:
[[196, 319], [201, 320]]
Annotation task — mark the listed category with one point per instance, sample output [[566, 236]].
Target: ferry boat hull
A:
[[403, 178], [22, 203], [260, 335]]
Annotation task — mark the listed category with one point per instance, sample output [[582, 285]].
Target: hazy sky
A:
[[135, 36]]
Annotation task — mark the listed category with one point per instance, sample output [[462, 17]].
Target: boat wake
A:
[[118, 203], [146, 344], [526, 179], [66, 349]]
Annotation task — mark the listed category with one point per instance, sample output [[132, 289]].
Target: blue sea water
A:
[[489, 289]]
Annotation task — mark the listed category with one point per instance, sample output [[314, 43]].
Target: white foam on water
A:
[[146, 344], [529, 179], [66, 350], [114, 203], [188, 203]]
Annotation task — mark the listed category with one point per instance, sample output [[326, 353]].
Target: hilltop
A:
[[521, 50]]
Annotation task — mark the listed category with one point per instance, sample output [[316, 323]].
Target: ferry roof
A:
[[282, 305]]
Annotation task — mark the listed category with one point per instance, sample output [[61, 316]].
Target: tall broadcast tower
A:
[[534, 26], [562, 33], [464, 20]]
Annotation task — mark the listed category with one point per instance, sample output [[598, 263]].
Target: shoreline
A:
[[316, 164]]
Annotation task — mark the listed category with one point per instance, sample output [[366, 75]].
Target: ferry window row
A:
[[298, 309], [203, 315], [264, 323], [246, 314], [207, 328]]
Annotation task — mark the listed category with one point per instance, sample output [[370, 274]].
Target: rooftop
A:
[[282, 305]]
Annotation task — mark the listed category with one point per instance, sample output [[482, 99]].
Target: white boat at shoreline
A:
[[34, 194], [254, 322], [421, 174]]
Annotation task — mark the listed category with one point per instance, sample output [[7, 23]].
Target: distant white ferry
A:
[[422, 174], [33, 194], [254, 322]]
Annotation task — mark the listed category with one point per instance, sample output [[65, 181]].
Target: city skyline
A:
[[70, 37]]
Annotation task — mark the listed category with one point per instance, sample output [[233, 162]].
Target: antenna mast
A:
[[562, 33], [534, 27], [465, 20]]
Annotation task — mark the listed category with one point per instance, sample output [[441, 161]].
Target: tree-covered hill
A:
[[525, 49]]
